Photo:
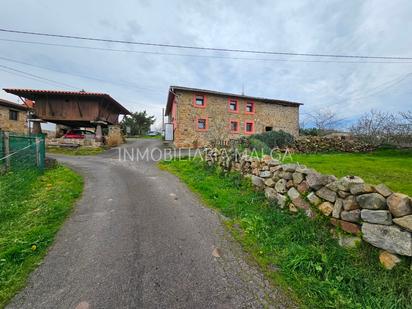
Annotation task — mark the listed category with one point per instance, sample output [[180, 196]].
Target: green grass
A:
[[80, 151], [145, 136], [296, 252], [391, 167], [32, 209]]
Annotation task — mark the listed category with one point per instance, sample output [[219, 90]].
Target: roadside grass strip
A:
[[32, 209], [295, 252]]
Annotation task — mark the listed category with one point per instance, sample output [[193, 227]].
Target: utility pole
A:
[[163, 119]]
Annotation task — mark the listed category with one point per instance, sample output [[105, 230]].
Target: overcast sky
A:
[[140, 81]]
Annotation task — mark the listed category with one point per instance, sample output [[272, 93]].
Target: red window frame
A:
[[204, 101], [253, 127], [237, 105], [230, 125], [253, 107], [206, 124]]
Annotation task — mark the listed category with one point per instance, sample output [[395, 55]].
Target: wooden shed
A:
[[73, 108]]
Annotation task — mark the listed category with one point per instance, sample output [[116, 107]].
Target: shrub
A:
[[274, 139], [309, 131], [258, 145], [114, 140]]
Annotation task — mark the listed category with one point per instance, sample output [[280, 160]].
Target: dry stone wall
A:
[[372, 213]]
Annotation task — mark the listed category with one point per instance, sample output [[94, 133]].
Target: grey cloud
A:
[[141, 81]]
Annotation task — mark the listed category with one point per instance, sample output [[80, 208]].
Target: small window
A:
[[13, 115], [249, 127], [234, 126], [201, 124], [199, 101], [268, 129], [233, 107], [250, 107]]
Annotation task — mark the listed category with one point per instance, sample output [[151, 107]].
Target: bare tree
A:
[[378, 127], [324, 119], [407, 116]]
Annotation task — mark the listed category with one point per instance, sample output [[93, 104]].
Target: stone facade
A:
[[266, 115], [374, 214], [7, 123]]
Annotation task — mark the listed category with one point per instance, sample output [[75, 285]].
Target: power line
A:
[[200, 56], [199, 47], [25, 76], [122, 84], [37, 77]]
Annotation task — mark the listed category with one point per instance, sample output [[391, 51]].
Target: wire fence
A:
[[21, 152], [22, 161]]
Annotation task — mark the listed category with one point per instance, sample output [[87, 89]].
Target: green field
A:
[[32, 209], [391, 167], [295, 252]]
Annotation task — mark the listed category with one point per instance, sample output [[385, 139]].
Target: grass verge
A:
[[388, 166], [80, 151], [145, 136], [32, 209], [295, 251]]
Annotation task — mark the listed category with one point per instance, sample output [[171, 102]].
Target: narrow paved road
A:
[[138, 238]]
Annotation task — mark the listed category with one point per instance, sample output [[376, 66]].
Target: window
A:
[[250, 107], [267, 129], [249, 127], [199, 101], [13, 115], [234, 126], [201, 124], [233, 106]]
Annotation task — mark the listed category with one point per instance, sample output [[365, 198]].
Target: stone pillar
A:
[[99, 134], [60, 130], [36, 127]]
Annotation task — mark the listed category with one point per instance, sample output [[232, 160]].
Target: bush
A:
[[309, 131], [274, 139], [258, 145], [114, 140]]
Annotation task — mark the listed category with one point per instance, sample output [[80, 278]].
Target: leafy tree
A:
[[139, 123]]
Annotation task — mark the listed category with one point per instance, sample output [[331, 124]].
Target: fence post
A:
[[38, 159], [6, 147]]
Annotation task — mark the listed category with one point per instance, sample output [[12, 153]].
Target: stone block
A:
[[348, 227], [314, 199], [376, 216], [326, 194], [383, 190], [388, 237], [257, 181], [371, 201], [326, 208], [337, 208], [405, 222], [399, 205], [351, 216]]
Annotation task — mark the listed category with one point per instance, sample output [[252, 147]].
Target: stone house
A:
[[13, 117], [200, 116]]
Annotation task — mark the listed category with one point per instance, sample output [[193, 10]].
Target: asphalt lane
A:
[[138, 238]]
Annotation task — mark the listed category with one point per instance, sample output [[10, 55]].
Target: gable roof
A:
[[13, 105], [34, 94], [227, 94]]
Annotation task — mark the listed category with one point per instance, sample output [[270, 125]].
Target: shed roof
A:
[[34, 94], [227, 94], [13, 105]]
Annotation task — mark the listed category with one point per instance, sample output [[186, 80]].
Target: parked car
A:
[[80, 134], [152, 133]]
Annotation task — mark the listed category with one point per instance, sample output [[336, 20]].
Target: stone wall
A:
[[216, 111], [17, 126], [372, 213]]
